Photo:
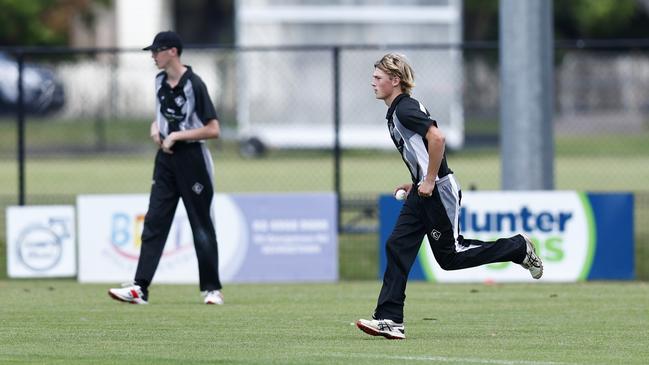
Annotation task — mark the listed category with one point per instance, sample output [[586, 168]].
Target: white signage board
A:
[[110, 228], [261, 238], [41, 241]]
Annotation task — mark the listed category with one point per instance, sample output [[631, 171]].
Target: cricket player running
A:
[[183, 169], [432, 205]]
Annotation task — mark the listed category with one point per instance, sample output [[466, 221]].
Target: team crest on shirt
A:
[[179, 100]]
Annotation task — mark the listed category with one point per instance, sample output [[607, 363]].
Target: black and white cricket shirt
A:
[[408, 122], [185, 106]]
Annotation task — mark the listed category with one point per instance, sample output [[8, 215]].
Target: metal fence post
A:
[[21, 129], [337, 150], [527, 92]]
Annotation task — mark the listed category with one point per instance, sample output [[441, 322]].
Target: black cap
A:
[[165, 40]]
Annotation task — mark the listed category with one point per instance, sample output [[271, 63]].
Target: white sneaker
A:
[[382, 327], [129, 293], [213, 297], [531, 261]]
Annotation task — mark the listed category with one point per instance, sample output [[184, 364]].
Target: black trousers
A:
[[186, 174], [435, 217]]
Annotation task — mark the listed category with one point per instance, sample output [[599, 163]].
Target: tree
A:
[[573, 19], [597, 19], [42, 22]]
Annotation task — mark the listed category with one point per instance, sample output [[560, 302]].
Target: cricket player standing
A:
[[183, 169]]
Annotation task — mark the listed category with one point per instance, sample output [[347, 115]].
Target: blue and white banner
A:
[[261, 238], [579, 236]]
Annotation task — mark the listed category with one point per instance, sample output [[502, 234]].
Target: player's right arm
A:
[[435, 140], [154, 132], [415, 117]]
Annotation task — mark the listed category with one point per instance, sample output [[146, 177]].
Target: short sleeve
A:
[[414, 116], [204, 108]]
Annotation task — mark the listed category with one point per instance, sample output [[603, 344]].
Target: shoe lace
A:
[[384, 326], [533, 260]]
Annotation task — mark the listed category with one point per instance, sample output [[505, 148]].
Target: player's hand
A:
[[426, 188], [405, 187], [168, 143]]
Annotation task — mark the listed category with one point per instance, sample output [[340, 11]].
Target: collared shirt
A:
[[185, 106], [408, 123]]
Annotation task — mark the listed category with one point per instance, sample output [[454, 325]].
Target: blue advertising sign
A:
[[579, 236], [289, 238]]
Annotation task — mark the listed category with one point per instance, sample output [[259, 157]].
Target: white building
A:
[[285, 99]]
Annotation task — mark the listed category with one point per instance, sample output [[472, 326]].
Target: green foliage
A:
[[41, 22], [20, 23], [591, 15], [572, 19], [596, 18]]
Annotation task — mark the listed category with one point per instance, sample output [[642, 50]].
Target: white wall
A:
[[139, 21]]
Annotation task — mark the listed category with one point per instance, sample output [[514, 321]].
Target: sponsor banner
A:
[[41, 241], [579, 236], [261, 238]]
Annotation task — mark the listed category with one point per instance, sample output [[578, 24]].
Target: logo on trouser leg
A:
[[197, 188], [436, 234]]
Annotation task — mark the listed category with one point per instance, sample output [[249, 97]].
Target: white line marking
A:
[[449, 359]]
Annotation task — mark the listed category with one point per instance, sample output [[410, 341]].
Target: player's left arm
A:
[[436, 141]]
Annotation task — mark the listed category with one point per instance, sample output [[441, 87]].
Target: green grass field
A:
[[377, 173], [67, 157], [62, 322]]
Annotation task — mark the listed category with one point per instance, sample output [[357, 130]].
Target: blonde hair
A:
[[396, 65]]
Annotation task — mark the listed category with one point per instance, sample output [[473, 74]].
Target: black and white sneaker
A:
[[382, 327], [531, 261]]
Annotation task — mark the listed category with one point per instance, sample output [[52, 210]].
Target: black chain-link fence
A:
[[88, 112]]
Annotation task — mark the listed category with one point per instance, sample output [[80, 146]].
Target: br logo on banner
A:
[[261, 238]]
